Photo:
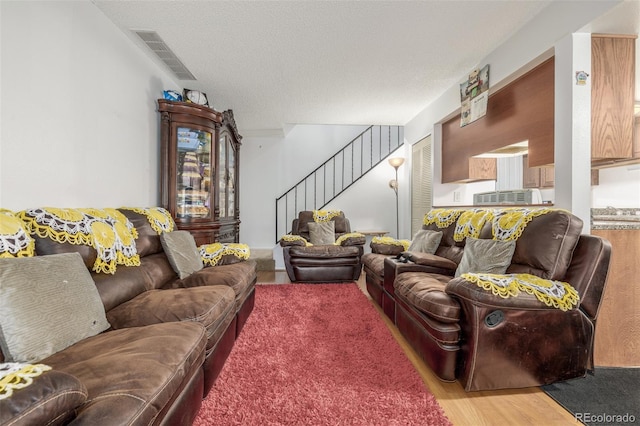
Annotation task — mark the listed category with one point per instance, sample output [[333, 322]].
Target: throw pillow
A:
[[322, 233], [48, 303], [426, 241], [486, 256], [182, 252]]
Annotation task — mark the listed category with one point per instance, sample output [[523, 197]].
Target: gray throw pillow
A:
[[486, 256], [322, 233], [48, 303], [182, 252], [426, 241]]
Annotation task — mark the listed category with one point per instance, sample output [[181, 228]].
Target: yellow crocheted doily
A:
[[15, 375], [159, 218], [15, 241], [107, 230], [292, 238], [325, 215], [470, 223], [441, 217], [508, 224], [557, 294], [346, 236], [212, 253], [391, 241]]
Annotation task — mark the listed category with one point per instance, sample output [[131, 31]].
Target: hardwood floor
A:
[[529, 406]]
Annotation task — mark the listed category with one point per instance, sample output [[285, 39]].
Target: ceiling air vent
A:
[[166, 55]]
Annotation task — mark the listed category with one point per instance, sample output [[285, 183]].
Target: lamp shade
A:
[[396, 162]]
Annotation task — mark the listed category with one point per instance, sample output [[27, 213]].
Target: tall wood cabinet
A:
[[613, 59], [199, 170]]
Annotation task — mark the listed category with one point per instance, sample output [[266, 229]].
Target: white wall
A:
[[270, 166], [79, 120], [619, 187]]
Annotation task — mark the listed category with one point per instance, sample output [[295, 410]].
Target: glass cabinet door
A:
[[222, 178], [231, 181], [227, 177], [193, 199]]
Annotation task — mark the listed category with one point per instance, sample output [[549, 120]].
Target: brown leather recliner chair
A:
[[325, 262]]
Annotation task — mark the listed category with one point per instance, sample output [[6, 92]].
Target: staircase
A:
[[337, 174]]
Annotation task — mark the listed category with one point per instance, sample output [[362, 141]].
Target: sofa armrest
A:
[[516, 294], [388, 246], [291, 240], [430, 262], [351, 239], [52, 399]]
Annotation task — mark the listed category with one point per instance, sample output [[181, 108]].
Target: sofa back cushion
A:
[[301, 224], [148, 241], [546, 245], [448, 248]]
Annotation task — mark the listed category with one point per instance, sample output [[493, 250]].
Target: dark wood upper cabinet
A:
[[522, 110], [199, 170]]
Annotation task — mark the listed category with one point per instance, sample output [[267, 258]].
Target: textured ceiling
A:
[[277, 63]]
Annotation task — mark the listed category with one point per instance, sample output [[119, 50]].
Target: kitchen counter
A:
[[613, 218]]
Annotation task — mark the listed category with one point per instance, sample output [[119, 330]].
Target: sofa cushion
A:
[[148, 239], [132, 374], [51, 395], [183, 254], [240, 277], [486, 256], [37, 295], [305, 217], [374, 263], [213, 307], [425, 241], [426, 293], [322, 232]]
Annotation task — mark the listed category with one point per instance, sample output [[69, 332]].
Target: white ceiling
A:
[[277, 63]]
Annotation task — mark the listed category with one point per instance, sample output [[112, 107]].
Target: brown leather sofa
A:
[[326, 262], [466, 332], [168, 341]]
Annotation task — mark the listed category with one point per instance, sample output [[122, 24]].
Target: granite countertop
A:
[[614, 218]]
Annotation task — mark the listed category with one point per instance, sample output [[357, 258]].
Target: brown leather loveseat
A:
[[530, 323], [167, 338]]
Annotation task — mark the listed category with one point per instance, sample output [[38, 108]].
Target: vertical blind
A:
[[421, 182]]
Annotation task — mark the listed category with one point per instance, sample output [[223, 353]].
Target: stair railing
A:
[[337, 174]]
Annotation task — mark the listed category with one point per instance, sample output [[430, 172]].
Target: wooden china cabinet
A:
[[199, 170]]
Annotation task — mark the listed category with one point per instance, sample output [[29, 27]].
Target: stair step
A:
[[264, 259]]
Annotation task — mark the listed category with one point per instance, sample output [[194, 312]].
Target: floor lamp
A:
[[393, 184]]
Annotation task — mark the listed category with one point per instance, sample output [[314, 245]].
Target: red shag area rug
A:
[[318, 354]]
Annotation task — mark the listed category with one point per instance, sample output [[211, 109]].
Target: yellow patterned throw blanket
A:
[[470, 223], [15, 241], [441, 217], [507, 224], [552, 293], [212, 253], [15, 376], [106, 230], [159, 218], [325, 215], [344, 237], [391, 241], [291, 238]]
